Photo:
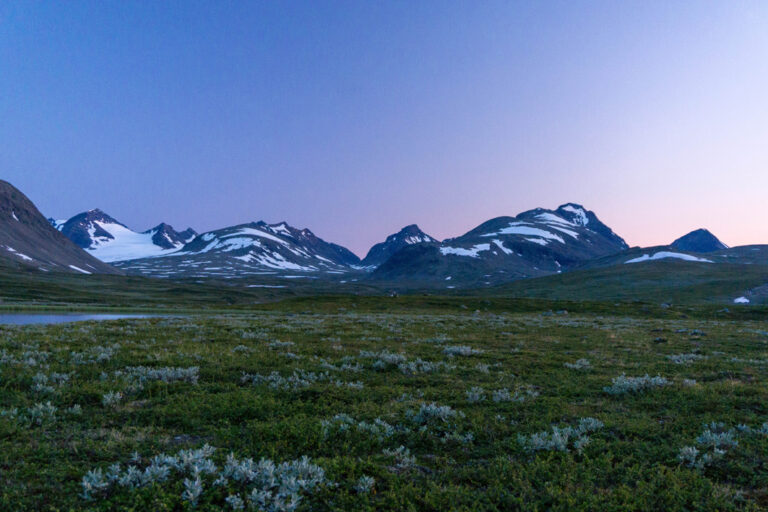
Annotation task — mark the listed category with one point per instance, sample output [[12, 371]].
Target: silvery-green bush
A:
[[263, 485], [580, 364], [623, 384], [460, 350], [561, 438], [685, 358]]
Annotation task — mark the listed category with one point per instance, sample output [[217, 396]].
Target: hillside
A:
[[28, 238]]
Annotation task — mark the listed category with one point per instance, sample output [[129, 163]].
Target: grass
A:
[[672, 281], [407, 424]]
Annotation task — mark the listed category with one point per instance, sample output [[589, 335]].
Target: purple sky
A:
[[357, 118]]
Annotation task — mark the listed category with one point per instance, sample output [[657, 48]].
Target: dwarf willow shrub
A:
[[715, 441], [475, 394], [299, 379], [95, 355], [716, 437], [402, 457], [430, 414], [623, 384], [262, 485], [757, 362], [40, 414], [365, 484], [142, 374], [34, 357], [418, 366], [460, 350], [685, 358], [111, 399], [383, 359], [280, 344], [343, 423], [343, 367], [521, 394], [483, 368], [40, 382], [561, 438], [580, 364]]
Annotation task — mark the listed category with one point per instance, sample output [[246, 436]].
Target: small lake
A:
[[62, 318]]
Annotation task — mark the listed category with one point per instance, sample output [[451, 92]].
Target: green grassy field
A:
[[672, 281], [412, 403]]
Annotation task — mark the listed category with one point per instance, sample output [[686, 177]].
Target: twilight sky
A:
[[357, 118]]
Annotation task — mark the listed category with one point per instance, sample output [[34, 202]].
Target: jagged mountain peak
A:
[[413, 230], [110, 240], [164, 236], [90, 228], [251, 248], [535, 242], [575, 213]]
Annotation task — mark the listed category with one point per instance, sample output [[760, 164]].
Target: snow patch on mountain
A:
[[472, 252], [525, 229], [500, 245], [581, 215], [125, 244], [18, 254], [666, 255]]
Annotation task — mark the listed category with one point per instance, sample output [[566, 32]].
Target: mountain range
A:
[[256, 248], [534, 243], [110, 240]]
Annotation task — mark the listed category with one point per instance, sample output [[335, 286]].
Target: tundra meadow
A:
[[351, 408]]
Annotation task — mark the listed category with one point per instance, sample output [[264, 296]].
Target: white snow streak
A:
[[665, 254], [472, 252]]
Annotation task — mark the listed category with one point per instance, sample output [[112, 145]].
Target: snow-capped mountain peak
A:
[[253, 248], [409, 235], [574, 213], [535, 242], [110, 240], [164, 236]]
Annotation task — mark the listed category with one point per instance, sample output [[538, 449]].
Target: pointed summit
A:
[[700, 240], [534, 243], [409, 235], [165, 237], [110, 240]]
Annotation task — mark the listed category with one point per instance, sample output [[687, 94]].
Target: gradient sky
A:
[[357, 118]]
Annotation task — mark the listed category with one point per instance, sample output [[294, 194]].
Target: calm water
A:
[[61, 318]]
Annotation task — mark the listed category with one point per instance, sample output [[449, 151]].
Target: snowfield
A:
[[520, 228], [666, 255], [472, 252], [126, 244]]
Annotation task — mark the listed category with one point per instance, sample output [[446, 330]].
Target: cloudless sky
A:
[[357, 118]]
